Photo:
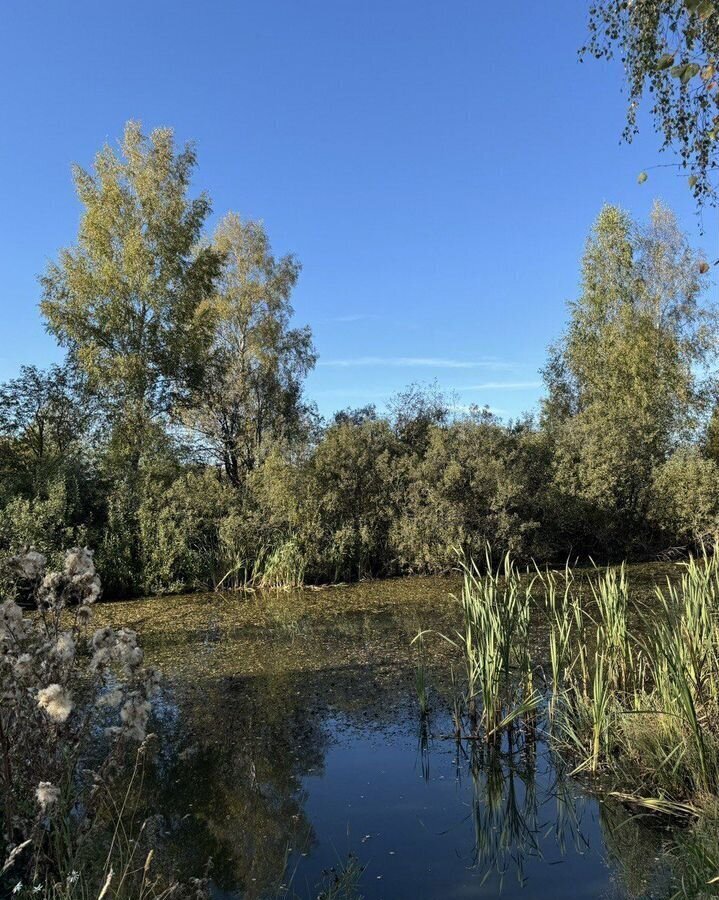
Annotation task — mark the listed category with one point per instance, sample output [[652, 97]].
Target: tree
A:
[[130, 300], [624, 386], [357, 415], [251, 391], [669, 49], [414, 410], [44, 420]]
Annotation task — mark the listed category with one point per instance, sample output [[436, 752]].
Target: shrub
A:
[[179, 533], [685, 498], [73, 702], [43, 523]]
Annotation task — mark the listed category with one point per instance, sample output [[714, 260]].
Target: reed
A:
[[420, 677], [494, 645], [632, 692], [281, 568], [284, 568]]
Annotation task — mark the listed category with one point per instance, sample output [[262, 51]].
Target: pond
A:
[[290, 745]]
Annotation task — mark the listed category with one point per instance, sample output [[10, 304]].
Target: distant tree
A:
[[414, 410], [250, 394], [356, 415], [624, 386], [43, 420], [130, 300], [669, 49]]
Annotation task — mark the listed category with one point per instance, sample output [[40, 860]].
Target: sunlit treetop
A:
[[670, 50]]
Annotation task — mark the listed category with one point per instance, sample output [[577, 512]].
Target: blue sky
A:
[[435, 167]]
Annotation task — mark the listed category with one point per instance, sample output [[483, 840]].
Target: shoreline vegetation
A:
[[177, 440], [624, 690]]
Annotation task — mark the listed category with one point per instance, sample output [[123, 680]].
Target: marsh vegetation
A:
[[289, 741], [622, 687]]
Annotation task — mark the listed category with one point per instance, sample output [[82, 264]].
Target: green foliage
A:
[[477, 481], [44, 419], [685, 498], [348, 507], [119, 551], [414, 411], [131, 299], [42, 523], [179, 533], [623, 385], [250, 393], [669, 49]]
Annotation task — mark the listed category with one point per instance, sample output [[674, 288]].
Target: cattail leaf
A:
[[705, 9]]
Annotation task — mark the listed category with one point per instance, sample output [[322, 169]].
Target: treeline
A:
[[177, 441]]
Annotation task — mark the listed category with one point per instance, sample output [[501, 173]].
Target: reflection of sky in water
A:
[[425, 826], [289, 738]]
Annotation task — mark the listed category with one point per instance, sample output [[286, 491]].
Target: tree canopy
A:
[[628, 382], [670, 51], [250, 393], [131, 299]]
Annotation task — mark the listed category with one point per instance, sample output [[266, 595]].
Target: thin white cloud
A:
[[351, 393], [409, 362], [501, 386], [354, 317]]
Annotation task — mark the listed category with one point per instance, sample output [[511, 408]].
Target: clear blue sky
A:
[[435, 166]]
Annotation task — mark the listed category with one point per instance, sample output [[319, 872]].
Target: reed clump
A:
[[281, 568], [644, 705], [626, 691], [498, 685]]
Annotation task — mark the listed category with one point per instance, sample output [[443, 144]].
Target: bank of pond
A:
[[551, 734]]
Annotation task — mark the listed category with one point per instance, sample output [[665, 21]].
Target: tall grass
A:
[[494, 643], [283, 568], [631, 690]]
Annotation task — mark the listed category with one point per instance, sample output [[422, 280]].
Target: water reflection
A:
[[289, 738], [229, 781], [522, 809]]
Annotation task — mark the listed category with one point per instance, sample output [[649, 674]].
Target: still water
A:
[[290, 751]]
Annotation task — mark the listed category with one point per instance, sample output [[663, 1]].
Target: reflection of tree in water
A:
[[229, 788], [235, 750]]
